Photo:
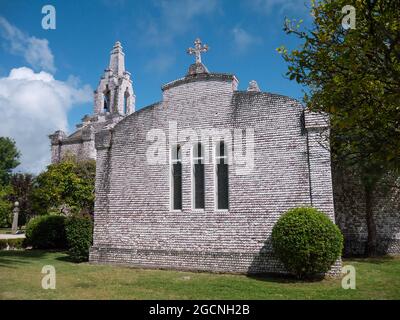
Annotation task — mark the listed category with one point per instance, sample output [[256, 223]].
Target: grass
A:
[[20, 278]]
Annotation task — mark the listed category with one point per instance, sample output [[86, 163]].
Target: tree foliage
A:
[[64, 187], [354, 75], [22, 186], [9, 156], [5, 206]]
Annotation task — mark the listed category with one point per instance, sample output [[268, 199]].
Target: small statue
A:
[[15, 217]]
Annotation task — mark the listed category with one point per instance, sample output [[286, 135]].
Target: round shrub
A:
[[46, 232], [79, 231], [306, 241]]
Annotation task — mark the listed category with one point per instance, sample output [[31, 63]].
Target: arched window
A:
[[222, 176], [198, 176], [126, 101], [176, 173], [107, 100]]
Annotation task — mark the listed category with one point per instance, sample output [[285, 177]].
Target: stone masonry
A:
[[134, 223], [350, 213]]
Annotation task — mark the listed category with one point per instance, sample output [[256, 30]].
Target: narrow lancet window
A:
[[198, 176], [222, 177], [126, 101], [106, 106], [176, 167]]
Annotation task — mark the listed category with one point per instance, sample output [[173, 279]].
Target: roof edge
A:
[[200, 77]]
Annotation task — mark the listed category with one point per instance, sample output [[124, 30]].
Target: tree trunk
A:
[[370, 249]]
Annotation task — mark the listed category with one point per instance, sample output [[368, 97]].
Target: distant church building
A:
[[113, 100], [198, 180]]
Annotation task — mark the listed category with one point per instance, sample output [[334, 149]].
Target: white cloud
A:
[[33, 105], [242, 40], [35, 51]]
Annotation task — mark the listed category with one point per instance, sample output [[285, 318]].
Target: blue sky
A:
[[242, 36]]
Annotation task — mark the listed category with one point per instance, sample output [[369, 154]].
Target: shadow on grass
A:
[[66, 258], [287, 278], [15, 257], [283, 278], [373, 260]]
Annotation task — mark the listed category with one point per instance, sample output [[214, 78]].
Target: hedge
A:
[[46, 232], [79, 233]]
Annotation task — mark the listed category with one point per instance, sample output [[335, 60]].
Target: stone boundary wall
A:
[[350, 214]]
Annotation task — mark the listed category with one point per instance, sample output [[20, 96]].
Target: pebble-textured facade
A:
[[134, 221], [287, 166]]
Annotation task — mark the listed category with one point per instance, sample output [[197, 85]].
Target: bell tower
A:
[[114, 94]]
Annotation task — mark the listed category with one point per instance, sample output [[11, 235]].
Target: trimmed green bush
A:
[[79, 231], [18, 243], [306, 241], [46, 232]]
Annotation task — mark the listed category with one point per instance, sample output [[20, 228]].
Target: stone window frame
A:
[[192, 177]]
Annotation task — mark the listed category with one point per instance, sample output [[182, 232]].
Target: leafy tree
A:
[[354, 75], [6, 206], [64, 187], [22, 185], [9, 156]]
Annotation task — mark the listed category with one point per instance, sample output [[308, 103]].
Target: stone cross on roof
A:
[[197, 50]]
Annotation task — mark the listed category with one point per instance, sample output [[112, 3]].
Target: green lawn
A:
[[20, 278]]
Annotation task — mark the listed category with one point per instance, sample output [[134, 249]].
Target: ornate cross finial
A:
[[197, 50]]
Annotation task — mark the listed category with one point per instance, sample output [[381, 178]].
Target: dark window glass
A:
[[177, 174], [107, 101], [221, 149], [222, 177], [223, 199], [199, 151], [126, 96], [198, 177], [177, 178]]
